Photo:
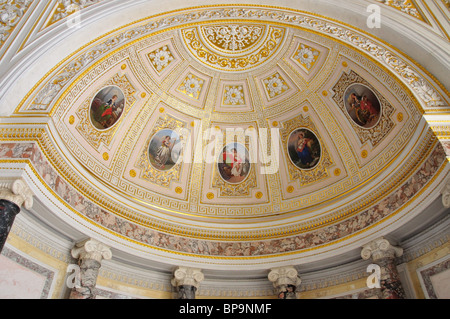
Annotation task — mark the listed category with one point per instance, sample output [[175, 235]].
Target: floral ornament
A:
[[67, 7], [306, 56], [11, 14], [404, 6], [275, 85], [161, 58], [234, 95], [191, 86], [428, 95], [233, 37]]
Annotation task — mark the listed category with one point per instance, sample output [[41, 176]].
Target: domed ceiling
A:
[[235, 136]]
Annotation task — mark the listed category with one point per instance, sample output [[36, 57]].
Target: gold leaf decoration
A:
[[233, 47]]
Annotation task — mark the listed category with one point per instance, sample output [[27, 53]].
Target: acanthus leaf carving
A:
[[11, 12]]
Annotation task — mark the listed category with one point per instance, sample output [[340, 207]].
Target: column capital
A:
[[17, 192], [380, 248], [185, 276], [91, 249], [284, 276]]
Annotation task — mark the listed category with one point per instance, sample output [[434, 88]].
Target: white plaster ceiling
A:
[[110, 188]]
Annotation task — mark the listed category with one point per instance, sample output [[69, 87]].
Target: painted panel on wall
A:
[[18, 282], [441, 284], [434, 278], [23, 278]]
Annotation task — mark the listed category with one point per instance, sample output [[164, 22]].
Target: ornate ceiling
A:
[[232, 135]]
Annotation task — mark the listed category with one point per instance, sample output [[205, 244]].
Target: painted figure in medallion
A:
[[107, 107], [362, 105], [304, 148], [234, 164], [164, 149]]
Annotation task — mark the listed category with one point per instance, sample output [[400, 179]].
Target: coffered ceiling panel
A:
[[234, 133]]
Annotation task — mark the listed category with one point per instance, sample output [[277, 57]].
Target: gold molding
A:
[[266, 45]]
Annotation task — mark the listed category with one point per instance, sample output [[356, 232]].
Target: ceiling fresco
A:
[[233, 133]]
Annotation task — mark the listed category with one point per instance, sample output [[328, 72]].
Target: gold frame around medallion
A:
[[86, 129], [150, 173]]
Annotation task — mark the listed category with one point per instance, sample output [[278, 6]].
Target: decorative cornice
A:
[[330, 277], [434, 237]]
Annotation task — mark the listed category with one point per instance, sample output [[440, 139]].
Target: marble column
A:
[[187, 280], [285, 280], [13, 195], [383, 254], [90, 254]]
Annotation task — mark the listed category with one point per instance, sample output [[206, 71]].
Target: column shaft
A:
[[391, 287], [89, 270], [90, 254], [186, 292], [13, 195], [8, 212], [383, 254]]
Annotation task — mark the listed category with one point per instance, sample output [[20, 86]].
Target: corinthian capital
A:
[[91, 249], [380, 248], [284, 276], [185, 276], [17, 192]]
